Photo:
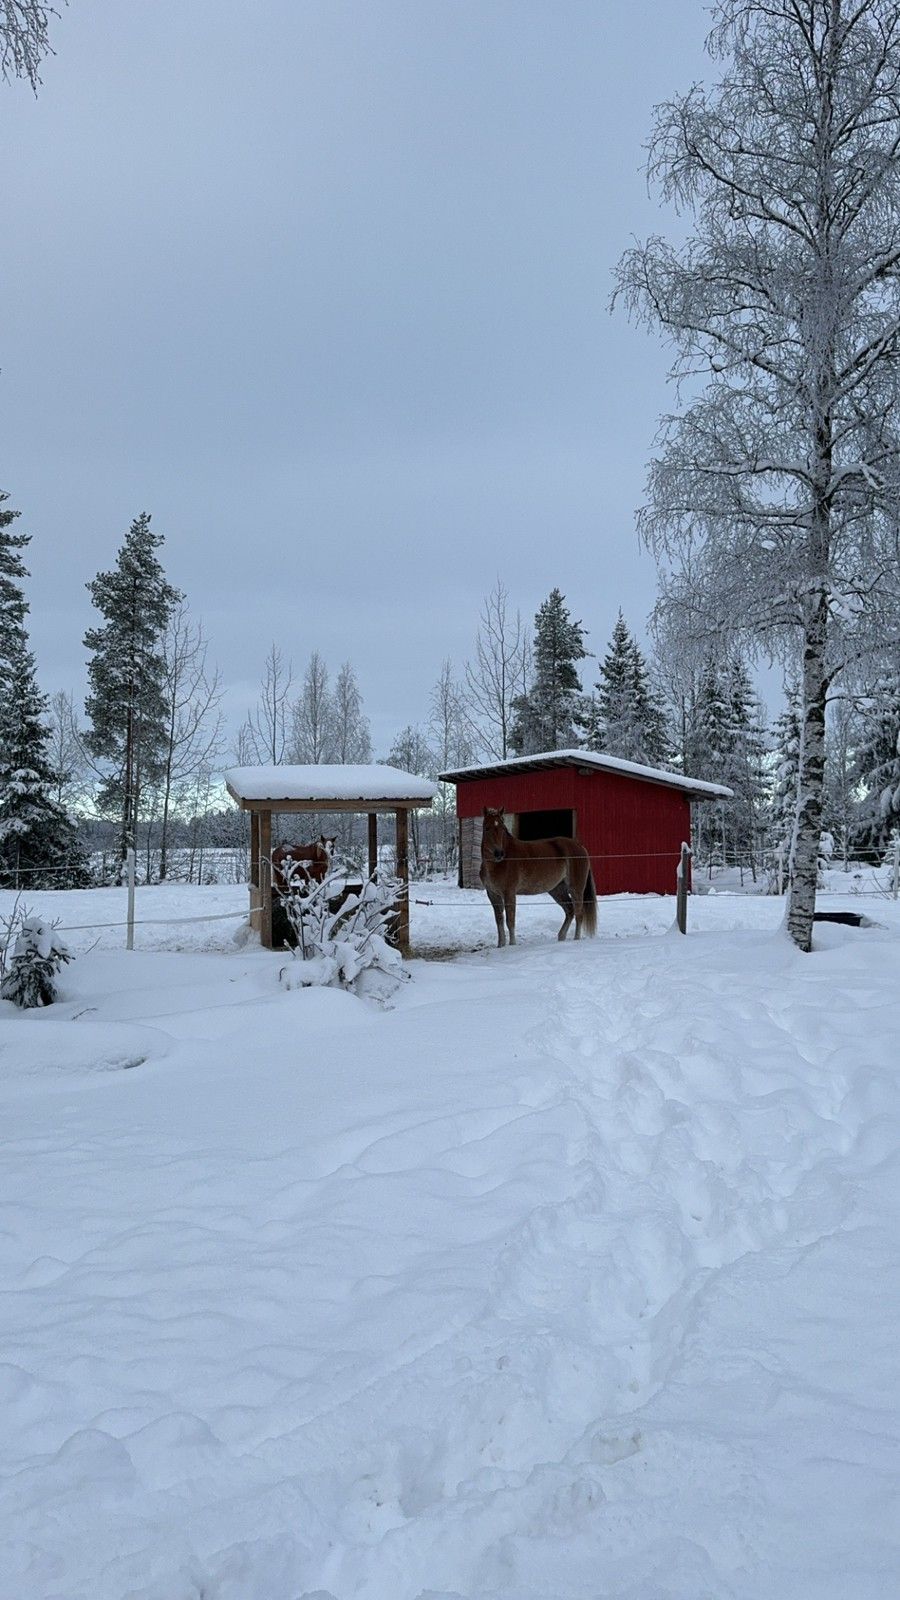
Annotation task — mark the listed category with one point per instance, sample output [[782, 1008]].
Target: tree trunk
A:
[[804, 861]]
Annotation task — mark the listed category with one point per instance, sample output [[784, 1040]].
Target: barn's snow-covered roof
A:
[[373, 783], [697, 788]]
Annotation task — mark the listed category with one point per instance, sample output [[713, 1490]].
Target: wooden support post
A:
[[129, 937], [265, 879], [684, 878], [373, 843], [254, 849], [254, 872], [403, 875]]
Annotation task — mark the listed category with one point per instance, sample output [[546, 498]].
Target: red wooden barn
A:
[[632, 819]]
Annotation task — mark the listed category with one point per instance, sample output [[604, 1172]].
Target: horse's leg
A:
[[577, 881], [563, 898], [509, 900], [497, 907]]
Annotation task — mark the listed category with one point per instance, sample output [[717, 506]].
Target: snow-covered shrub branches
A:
[[342, 939], [774, 495]]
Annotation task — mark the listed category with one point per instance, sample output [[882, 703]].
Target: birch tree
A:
[[777, 479], [451, 745], [193, 726], [312, 716], [351, 735], [263, 738], [498, 673], [411, 752], [24, 38], [68, 759], [352, 744]]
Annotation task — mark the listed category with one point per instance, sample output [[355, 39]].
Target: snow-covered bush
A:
[[342, 939], [38, 954]]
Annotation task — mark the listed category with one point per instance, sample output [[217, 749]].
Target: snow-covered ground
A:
[[573, 1276]]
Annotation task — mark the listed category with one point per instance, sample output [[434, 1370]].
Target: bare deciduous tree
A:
[[24, 38], [312, 716], [352, 743], [451, 745], [263, 738], [498, 675], [193, 719], [352, 739], [411, 752], [67, 755], [778, 482]]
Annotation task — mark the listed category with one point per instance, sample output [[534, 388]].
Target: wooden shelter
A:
[[631, 819], [301, 790]]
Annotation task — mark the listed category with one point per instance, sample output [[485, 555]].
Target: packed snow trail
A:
[[570, 1278]]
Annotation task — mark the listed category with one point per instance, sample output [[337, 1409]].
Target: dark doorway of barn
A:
[[546, 825]]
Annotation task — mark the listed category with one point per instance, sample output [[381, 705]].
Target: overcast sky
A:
[[324, 287]]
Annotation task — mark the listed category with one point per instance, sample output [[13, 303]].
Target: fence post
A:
[[896, 881], [684, 867], [129, 938]]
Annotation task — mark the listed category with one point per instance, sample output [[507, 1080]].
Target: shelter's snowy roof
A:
[[696, 787], [370, 783]]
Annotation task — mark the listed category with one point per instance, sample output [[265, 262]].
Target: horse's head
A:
[[494, 834], [327, 843]]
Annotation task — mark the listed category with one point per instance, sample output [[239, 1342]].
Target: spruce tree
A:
[[39, 844], [877, 765], [13, 572], [127, 703], [551, 715], [627, 719], [786, 787], [726, 745], [745, 765]]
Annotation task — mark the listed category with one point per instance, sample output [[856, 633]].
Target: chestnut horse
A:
[[300, 863], [559, 867]]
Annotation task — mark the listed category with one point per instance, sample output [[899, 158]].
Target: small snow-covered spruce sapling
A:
[[342, 942], [38, 955]]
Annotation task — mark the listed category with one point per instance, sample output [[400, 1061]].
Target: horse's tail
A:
[[590, 906]]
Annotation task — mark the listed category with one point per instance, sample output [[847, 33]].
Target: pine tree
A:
[[39, 844], [551, 715], [127, 703], [625, 718]]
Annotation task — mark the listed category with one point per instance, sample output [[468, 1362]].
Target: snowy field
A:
[[572, 1277]]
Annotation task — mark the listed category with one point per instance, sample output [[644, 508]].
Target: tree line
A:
[[142, 769]]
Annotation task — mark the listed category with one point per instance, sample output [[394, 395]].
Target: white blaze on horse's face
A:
[[493, 833]]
